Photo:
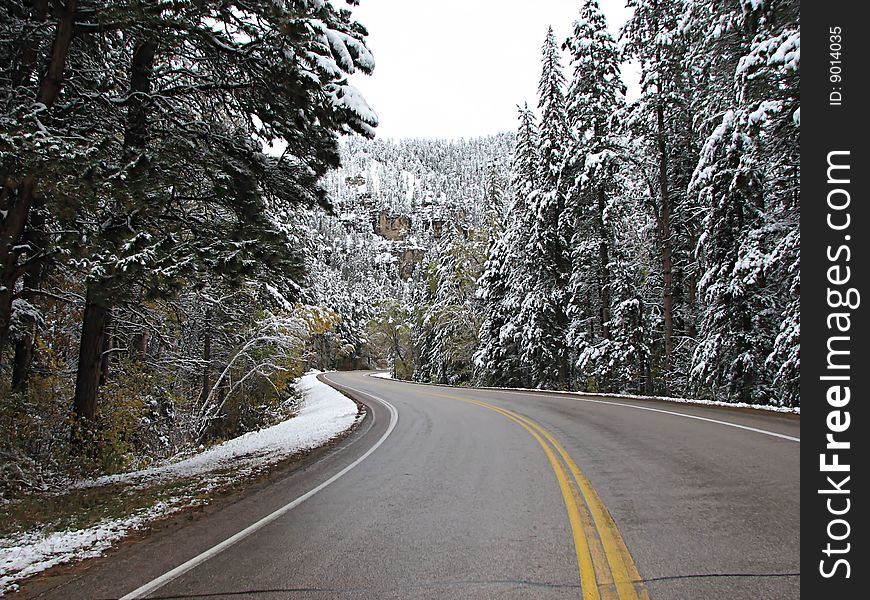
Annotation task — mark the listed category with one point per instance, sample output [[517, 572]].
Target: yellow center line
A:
[[625, 576], [621, 564], [581, 548], [606, 586]]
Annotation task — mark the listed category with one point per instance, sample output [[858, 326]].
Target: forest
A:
[[646, 247], [160, 166], [652, 246], [195, 212]]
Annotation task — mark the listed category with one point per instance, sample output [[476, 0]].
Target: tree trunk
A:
[[93, 351], [18, 199], [24, 348], [49, 87], [108, 345], [206, 359], [138, 348], [665, 243], [603, 269], [5, 317], [34, 239], [141, 71], [23, 362], [93, 336], [136, 131]]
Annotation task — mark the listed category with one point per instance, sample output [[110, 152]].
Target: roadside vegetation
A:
[[160, 163]]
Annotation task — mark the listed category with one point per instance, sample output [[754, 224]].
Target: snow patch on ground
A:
[[29, 553], [383, 375], [324, 414]]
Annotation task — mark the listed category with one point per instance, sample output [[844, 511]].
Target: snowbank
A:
[[324, 414], [383, 375], [767, 407], [30, 553]]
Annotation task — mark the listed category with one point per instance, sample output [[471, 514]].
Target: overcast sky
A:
[[458, 68]]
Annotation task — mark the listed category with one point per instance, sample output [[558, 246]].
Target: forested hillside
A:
[[409, 215]]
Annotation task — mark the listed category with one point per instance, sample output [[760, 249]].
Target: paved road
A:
[[501, 494]]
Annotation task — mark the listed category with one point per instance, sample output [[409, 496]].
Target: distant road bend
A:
[[472, 493]]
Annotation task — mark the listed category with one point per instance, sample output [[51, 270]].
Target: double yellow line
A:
[[607, 571]]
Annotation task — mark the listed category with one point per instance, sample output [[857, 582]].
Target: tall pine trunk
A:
[[91, 350], [603, 267], [6, 296], [17, 199], [665, 243], [34, 238], [23, 362], [94, 351], [24, 347]]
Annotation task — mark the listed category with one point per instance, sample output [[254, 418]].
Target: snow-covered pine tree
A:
[[747, 184], [734, 328], [595, 94], [767, 80], [504, 283], [189, 188], [627, 356], [542, 315], [451, 317], [36, 45], [663, 147]]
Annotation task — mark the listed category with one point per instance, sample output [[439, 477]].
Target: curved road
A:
[[497, 494]]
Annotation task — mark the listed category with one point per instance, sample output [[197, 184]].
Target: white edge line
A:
[[183, 568], [578, 396], [670, 412]]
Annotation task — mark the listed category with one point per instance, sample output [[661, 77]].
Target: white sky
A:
[[458, 68]]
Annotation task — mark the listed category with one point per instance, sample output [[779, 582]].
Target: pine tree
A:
[[553, 135], [767, 80], [542, 315], [662, 125], [162, 177], [595, 95], [626, 358], [36, 46], [450, 319], [746, 183], [504, 282]]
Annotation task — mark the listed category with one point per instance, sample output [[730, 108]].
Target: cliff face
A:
[[409, 258], [389, 226]]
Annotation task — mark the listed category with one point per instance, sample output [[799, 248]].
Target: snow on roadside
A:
[[29, 553], [383, 375], [324, 414], [767, 407]]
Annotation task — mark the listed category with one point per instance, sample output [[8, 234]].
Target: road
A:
[[463, 493]]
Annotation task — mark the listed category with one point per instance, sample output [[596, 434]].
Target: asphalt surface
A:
[[461, 500]]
